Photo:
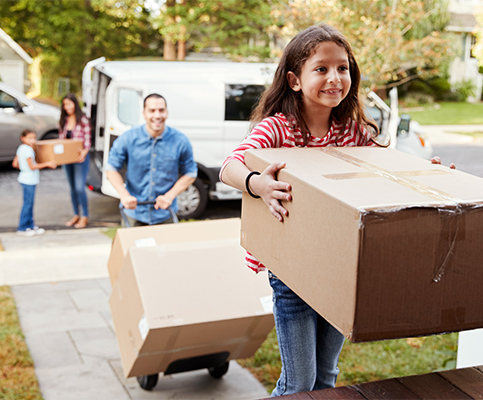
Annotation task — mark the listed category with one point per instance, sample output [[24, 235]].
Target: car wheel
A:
[[192, 202], [50, 135]]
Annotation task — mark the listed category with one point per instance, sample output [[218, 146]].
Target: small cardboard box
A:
[[62, 151], [165, 234], [179, 303], [382, 244]]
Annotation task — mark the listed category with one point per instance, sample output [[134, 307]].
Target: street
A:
[[53, 206]]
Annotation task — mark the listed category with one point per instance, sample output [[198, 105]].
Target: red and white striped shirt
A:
[[279, 131]]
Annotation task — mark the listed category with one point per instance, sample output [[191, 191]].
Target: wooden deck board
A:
[[390, 389], [466, 383], [468, 380], [432, 386]]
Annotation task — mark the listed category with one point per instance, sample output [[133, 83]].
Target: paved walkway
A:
[[60, 283]]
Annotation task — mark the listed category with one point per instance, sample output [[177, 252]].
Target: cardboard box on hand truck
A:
[[382, 244], [189, 305], [167, 234], [62, 151]]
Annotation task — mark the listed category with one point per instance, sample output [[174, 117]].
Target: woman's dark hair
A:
[[280, 97], [77, 111]]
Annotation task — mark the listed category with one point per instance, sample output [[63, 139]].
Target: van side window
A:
[[129, 106], [240, 100]]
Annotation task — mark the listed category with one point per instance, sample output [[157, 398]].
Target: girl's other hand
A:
[[437, 160], [272, 191]]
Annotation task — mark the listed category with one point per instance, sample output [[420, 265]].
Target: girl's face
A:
[[324, 79], [29, 139], [68, 106]]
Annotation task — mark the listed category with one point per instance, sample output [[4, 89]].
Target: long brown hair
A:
[[77, 111], [280, 97]]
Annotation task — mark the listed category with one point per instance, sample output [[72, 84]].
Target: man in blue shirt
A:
[[160, 166]]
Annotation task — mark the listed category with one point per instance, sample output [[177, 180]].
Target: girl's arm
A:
[[264, 185], [47, 164], [15, 162]]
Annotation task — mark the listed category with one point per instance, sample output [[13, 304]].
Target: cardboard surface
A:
[[167, 234], [382, 244], [62, 151], [177, 301]]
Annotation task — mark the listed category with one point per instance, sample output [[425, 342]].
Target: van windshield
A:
[[129, 106]]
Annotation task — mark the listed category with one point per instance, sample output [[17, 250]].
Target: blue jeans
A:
[[27, 213], [77, 176], [309, 345]]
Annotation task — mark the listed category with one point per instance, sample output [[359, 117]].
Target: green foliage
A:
[[465, 89], [66, 34]]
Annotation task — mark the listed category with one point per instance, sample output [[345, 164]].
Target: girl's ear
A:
[[293, 81]]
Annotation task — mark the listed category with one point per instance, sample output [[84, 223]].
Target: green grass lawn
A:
[[367, 362], [448, 113], [17, 374]]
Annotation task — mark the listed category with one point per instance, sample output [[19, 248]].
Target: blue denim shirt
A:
[[153, 167]]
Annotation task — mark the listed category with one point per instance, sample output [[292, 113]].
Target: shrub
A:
[[413, 100]]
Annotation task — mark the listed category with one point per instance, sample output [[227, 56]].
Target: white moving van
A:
[[210, 102]]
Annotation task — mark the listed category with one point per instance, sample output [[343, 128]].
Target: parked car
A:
[[17, 113]]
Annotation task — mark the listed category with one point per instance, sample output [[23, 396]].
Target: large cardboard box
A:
[[177, 303], [126, 238], [382, 244], [62, 151]]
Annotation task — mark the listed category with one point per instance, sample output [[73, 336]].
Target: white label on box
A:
[[147, 242], [267, 303], [58, 148], [143, 327]]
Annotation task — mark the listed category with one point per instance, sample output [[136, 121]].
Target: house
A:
[[463, 23], [14, 62]]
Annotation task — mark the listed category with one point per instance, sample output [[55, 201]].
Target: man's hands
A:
[[163, 201], [437, 160], [129, 202]]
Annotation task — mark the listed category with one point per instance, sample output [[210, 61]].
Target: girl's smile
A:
[[324, 79]]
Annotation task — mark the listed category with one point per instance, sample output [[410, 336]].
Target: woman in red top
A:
[[75, 125]]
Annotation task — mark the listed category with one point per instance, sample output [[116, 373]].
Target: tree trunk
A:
[[169, 53], [182, 44]]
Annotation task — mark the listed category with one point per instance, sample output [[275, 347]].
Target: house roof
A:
[[462, 23], [15, 46]]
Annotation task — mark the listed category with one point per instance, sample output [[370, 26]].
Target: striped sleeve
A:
[[270, 132]]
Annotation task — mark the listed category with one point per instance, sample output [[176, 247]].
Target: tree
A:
[[66, 34], [394, 41], [238, 28]]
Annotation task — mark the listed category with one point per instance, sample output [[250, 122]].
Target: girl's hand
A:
[[437, 160], [272, 191]]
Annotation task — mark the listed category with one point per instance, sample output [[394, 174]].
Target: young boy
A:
[[28, 177]]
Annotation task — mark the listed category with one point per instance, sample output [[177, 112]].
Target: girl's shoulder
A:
[[278, 120]]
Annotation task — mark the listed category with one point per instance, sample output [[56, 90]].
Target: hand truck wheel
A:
[[148, 382], [218, 372]]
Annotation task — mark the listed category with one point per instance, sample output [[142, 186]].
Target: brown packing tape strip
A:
[[452, 219], [398, 177]]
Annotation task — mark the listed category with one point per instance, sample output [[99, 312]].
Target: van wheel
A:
[[51, 135], [192, 202]]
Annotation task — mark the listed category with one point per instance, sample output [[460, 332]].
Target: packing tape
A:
[[400, 177], [451, 212]]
